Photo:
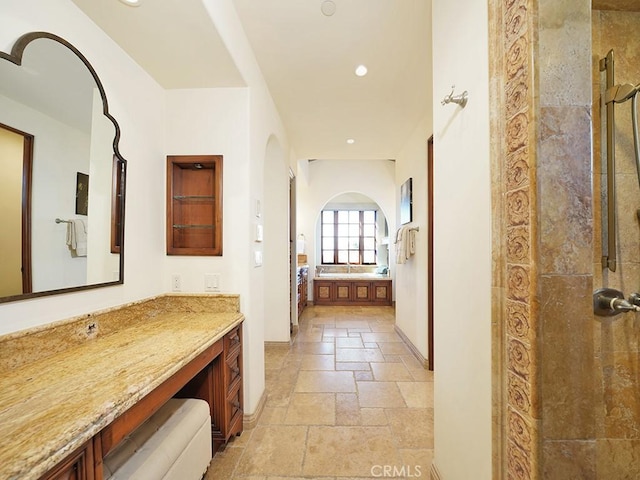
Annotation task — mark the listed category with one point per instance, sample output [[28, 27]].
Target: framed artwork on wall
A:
[[406, 202], [82, 194]]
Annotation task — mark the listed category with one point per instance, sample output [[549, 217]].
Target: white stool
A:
[[174, 443]]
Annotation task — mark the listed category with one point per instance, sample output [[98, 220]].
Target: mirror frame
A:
[[119, 177]]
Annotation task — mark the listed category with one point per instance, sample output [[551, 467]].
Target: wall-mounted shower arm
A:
[[620, 93]]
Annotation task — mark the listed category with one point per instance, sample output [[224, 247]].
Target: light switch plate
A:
[[257, 255], [211, 282]]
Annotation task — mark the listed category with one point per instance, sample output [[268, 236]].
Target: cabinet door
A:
[[322, 292], [305, 286], [342, 291], [78, 466], [381, 292], [362, 292]]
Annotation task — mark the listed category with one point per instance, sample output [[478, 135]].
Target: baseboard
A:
[[414, 350], [284, 343], [251, 420], [434, 474]]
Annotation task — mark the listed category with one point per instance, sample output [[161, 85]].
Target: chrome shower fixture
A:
[[613, 94], [620, 93], [608, 302]]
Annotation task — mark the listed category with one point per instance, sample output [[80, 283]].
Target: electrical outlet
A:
[[211, 282], [176, 283]]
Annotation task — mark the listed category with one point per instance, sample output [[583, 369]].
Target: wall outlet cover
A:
[[176, 282]]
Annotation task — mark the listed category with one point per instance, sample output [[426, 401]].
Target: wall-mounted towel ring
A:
[[460, 99]]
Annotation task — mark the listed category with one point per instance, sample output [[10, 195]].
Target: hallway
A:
[[346, 400]]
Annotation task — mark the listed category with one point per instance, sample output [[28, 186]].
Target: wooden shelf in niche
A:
[[194, 205]]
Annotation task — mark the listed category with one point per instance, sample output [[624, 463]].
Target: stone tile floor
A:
[[346, 400]]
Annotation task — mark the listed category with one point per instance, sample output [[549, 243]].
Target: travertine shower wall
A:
[[617, 339]]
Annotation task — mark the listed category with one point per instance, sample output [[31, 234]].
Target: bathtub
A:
[[351, 276]]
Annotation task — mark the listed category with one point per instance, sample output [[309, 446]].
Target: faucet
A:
[[348, 266], [608, 302]]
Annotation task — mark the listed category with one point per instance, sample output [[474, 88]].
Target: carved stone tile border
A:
[[516, 125]]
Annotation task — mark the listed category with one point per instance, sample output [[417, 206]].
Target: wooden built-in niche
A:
[[194, 205]]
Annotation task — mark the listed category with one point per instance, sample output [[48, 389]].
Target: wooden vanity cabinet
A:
[[220, 384], [215, 376], [303, 288], [194, 205], [232, 384], [78, 466]]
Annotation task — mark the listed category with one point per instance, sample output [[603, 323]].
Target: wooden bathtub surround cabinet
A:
[[68, 404], [344, 285], [347, 291]]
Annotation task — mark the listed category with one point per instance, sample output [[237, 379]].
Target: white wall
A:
[[462, 244], [411, 277], [213, 122], [275, 222], [102, 265], [325, 179], [264, 122]]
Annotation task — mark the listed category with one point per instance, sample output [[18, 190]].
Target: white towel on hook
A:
[[405, 244], [77, 237], [401, 245]]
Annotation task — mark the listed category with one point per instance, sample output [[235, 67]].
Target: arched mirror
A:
[[62, 187]]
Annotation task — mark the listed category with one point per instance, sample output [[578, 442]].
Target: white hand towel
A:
[[77, 238], [81, 237], [401, 245], [71, 235]]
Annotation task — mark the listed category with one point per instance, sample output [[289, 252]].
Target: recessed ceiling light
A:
[[361, 70], [350, 141], [132, 3], [328, 8]]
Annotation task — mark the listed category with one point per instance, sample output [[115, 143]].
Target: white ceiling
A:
[[308, 60]]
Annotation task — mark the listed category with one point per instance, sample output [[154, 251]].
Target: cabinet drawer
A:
[[232, 341], [235, 401], [234, 369]]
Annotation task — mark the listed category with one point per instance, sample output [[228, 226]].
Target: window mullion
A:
[[335, 237]]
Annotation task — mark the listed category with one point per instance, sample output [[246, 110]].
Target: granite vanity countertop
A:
[[51, 407]]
